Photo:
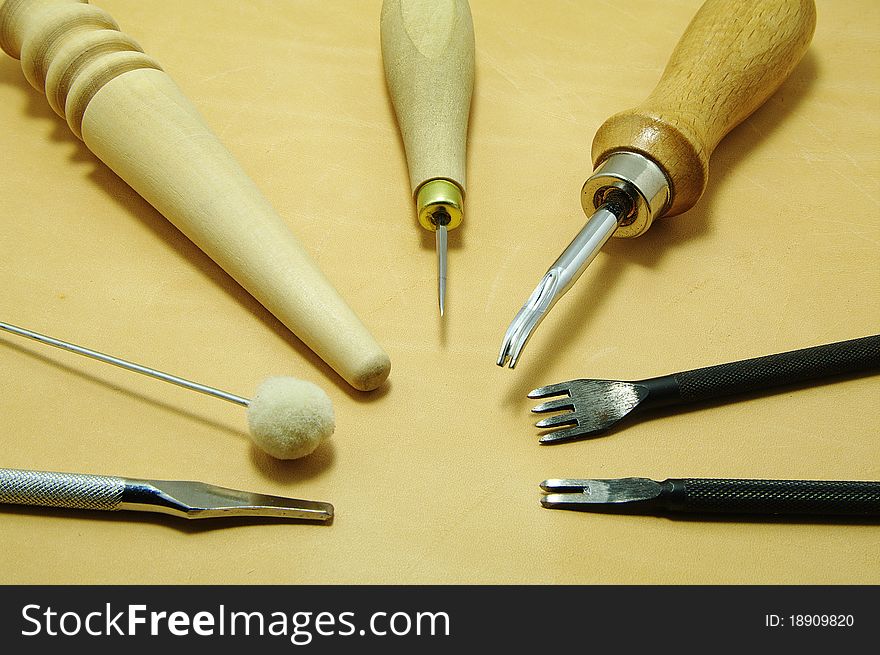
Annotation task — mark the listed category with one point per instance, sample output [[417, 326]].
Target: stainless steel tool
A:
[[653, 160], [190, 500], [716, 496]]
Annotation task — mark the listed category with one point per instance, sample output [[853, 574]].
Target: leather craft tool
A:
[[288, 418], [428, 52], [817, 498], [190, 500], [133, 117], [653, 160], [598, 405]]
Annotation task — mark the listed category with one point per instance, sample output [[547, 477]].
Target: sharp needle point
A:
[[441, 266]]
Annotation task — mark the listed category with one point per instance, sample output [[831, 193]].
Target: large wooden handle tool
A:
[[653, 160], [428, 53], [732, 57], [135, 119]]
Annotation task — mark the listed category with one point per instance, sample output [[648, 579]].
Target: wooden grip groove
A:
[[428, 54], [732, 57], [134, 118], [69, 50]]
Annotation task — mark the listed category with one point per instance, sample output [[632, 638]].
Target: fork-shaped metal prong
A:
[[566, 485], [558, 279], [559, 404], [550, 390], [599, 405], [819, 498], [554, 405], [528, 318], [595, 406], [568, 433], [568, 418]]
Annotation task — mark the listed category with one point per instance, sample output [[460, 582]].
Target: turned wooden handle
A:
[[135, 119], [428, 53], [733, 56]]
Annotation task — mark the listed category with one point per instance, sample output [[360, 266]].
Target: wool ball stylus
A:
[[288, 418]]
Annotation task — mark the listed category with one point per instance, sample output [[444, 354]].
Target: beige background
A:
[[435, 477]]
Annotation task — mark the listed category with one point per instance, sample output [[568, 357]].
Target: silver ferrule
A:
[[641, 179]]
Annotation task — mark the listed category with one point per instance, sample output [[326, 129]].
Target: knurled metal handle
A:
[[815, 497], [71, 490], [855, 355]]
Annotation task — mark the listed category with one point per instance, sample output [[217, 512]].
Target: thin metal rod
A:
[[441, 266], [121, 363]]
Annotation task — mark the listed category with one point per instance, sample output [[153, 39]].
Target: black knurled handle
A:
[[808, 497], [853, 356]]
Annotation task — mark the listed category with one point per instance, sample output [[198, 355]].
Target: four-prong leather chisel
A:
[[428, 53], [598, 405], [710, 496], [653, 160]]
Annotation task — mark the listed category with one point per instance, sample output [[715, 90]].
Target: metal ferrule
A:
[[640, 178], [439, 202]]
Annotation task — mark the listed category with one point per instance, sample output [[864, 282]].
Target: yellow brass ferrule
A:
[[439, 197]]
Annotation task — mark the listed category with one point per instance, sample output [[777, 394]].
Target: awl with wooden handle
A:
[[428, 53], [135, 119], [653, 160]]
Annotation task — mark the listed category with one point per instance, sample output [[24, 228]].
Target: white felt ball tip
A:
[[289, 418]]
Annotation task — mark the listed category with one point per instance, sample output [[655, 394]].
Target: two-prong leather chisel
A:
[[817, 498]]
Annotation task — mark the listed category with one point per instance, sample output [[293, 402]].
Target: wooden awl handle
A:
[[428, 53], [135, 119], [732, 57]]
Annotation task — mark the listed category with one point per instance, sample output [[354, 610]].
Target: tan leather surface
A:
[[435, 477]]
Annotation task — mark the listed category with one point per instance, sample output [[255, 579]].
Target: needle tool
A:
[[288, 418], [653, 160], [817, 498], [428, 54], [598, 405], [190, 500]]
